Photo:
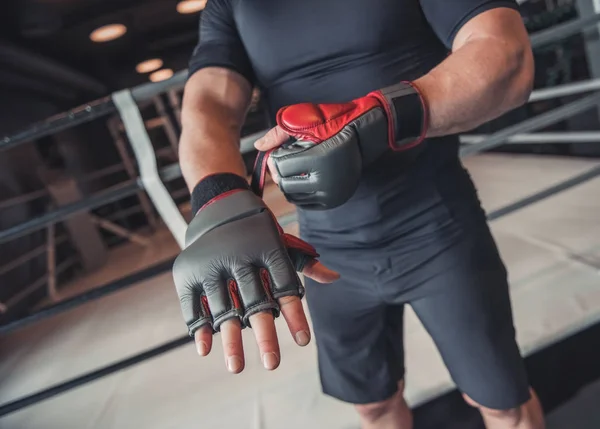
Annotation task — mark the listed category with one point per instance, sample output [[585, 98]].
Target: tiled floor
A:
[[552, 250]]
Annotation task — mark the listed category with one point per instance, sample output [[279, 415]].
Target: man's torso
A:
[[332, 51]]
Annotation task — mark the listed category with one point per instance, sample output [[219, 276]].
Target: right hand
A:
[[239, 269], [321, 166]]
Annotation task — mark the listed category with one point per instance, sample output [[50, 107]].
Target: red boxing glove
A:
[[321, 170]]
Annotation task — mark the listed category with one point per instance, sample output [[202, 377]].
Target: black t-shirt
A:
[[334, 51]]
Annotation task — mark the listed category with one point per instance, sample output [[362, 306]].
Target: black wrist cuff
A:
[[214, 185], [410, 114]]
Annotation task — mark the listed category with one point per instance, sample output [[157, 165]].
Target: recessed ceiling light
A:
[[108, 33], [163, 74], [149, 65], [190, 6]]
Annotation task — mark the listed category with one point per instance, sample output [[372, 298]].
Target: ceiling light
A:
[[190, 6], [163, 74], [108, 33], [149, 65]]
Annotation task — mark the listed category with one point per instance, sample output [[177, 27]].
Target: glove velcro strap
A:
[[214, 186], [408, 111]]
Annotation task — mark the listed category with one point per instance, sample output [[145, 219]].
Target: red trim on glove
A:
[[297, 243], [265, 278], [233, 292], [218, 197], [204, 301], [291, 241]]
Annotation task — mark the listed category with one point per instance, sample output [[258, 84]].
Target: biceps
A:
[[216, 92]]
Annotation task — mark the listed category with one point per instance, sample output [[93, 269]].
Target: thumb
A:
[[320, 273], [273, 139]]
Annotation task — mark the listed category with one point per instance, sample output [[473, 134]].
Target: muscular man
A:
[[367, 98]]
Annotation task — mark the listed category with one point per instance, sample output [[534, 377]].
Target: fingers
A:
[[203, 338], [274, 138], [231, 336], [263, 326], [320, 273], [293, 313]]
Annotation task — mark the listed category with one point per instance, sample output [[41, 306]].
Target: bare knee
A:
[[509, 418], [376, 410]]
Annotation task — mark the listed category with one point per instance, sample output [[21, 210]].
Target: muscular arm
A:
[[489, 72], [215, 103]]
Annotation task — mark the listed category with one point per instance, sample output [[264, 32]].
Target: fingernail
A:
[[270, 360], [201, 347], [302, 338], [234, 364]]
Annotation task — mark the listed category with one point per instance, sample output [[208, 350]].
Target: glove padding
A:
[[237, 262], [334, 142]]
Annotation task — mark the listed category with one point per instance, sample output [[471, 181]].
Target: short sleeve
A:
[[219, 44], [447, 17]]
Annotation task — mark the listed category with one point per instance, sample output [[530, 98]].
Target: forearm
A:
[[482, 80], [212, 117], [209, 145]]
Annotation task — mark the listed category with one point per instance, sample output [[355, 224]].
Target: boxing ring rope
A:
[[542, 138], [142, 93], [539, 121]]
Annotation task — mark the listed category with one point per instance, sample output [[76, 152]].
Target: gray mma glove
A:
[[333, 143], [237, 261]]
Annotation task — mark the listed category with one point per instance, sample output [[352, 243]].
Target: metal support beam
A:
[[24, 293], [33, 253], [562, 31], [175, 100], [591, 39], [51, 263], [120, 231], [170, 129], [84, 235], [23, 199]]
